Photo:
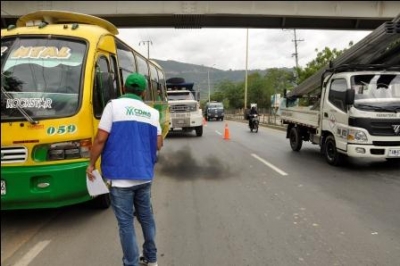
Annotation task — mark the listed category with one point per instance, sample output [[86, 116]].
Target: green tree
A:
[[259, 89], [322, 59], [256, 90], [232, 94], [276, 81]]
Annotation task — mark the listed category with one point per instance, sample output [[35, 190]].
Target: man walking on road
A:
[[128, 138]]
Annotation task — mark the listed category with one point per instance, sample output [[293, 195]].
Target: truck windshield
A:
[[40, 77], [216, 106], [376, 92], [178, 96]]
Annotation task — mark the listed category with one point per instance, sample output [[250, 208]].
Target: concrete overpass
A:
[[338, 15]]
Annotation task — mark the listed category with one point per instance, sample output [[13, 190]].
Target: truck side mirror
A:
[[350, 94]]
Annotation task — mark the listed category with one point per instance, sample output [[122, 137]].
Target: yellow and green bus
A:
[[58, 71]]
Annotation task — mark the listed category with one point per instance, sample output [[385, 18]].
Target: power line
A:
[[295, 48], [148, 47]]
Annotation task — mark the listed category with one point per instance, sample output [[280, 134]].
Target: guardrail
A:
[[265, 120]]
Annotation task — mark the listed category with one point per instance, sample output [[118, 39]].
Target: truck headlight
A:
[[357, 135], [193, 108]]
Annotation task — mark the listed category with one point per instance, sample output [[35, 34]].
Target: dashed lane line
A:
[[25, 260], [276, 169]]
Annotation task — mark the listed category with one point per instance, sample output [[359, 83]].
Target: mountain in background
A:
[[199, 74]]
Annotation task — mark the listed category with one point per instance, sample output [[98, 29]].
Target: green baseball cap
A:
[[136, 81]]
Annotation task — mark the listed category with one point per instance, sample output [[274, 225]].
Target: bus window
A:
[[116, 78], [153, 86], [104, 87], [161, 85], [126, 59], [143, 69]]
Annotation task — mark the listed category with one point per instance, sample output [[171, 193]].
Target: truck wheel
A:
[[333, 157], [295, 139], [199, 131]]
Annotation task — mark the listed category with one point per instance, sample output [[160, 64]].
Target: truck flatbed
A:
[[300, 115]]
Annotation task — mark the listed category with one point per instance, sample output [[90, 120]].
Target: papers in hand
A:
[[97, 186]]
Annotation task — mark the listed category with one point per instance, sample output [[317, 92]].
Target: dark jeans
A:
[[125, 202]]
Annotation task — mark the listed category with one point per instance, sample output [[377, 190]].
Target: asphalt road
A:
[[248, 200]]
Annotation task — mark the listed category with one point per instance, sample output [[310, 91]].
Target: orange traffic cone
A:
[[226, 135], [204, 122]]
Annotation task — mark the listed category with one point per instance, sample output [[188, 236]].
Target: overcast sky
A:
[[226, 47]]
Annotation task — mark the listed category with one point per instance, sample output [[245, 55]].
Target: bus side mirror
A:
[[350, 94]]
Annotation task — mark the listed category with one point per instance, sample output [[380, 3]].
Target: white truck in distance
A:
[[185, 111], [358, 115]]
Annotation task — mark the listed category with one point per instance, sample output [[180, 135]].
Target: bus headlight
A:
[[62, 150], [357, 136]]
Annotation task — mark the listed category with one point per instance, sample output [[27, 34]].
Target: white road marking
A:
[[25, 260], [276, 169], [219, 133]]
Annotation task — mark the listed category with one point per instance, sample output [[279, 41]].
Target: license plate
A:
[[180, 121], [394, 152], [3, 187]]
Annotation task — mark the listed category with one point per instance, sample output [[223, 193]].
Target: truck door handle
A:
[[325, 114]]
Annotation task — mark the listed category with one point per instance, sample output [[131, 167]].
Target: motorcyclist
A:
[[253, 111]]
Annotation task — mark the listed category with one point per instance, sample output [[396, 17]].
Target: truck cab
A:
[[185, 112], [361, 110]]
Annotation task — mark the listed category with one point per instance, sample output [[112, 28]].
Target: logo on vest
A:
[[130, 110]]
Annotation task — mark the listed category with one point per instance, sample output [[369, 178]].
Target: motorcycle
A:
[[254, 122]]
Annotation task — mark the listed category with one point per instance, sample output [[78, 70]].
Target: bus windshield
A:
[[40, 77]]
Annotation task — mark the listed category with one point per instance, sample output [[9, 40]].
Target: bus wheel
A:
[[295, 139], [332, 156], [102, 201]]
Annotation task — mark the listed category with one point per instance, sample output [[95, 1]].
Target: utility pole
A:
[[209, 87], [148, 47], [245, 78], [295, 48]]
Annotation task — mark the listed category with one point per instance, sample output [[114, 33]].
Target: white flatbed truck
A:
[[358, 115]]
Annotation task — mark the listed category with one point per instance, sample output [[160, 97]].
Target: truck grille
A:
[[376, 127], [182, 108], [386, 143], [13, 154], [185, 122]]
